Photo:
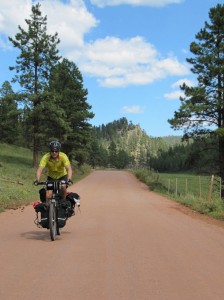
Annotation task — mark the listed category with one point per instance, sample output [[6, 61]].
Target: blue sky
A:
[[131, 53]]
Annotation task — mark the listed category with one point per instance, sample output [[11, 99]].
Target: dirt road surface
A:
[[128, 243]]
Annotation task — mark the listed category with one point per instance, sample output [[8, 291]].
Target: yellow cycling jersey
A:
[[55, 168]]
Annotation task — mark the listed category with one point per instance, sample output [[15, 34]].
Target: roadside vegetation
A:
[[17, 176], [197, 192]]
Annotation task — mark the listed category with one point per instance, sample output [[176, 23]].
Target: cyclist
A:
[[58, 167]]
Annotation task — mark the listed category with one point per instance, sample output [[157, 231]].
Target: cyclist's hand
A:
[[70, 182], [36, 182]]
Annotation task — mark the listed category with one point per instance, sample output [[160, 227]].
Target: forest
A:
[[121, 144]]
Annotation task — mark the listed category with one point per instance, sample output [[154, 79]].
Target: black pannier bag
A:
[[44, 219], [42, 193], [68, 208], [64, 209], [44, 213], [74, 199]]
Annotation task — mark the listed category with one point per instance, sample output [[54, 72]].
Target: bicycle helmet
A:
[[54, 145]]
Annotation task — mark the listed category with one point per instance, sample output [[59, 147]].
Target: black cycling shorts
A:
[[61, 178]]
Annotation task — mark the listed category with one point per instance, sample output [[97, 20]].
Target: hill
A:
[[172, 140], [123, 136]]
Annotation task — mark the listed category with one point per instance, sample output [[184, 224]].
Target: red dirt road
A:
[[127, 244]]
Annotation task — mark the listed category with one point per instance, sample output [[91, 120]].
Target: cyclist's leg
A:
[[62, 192], [49, 193], [63, 187]]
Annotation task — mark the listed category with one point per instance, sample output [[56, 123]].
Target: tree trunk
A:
[[221, 162], [35, 151]]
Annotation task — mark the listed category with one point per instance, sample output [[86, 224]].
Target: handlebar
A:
[[53, 183]]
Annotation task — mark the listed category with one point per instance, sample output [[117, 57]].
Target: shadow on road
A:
[[41, 235], [36, 235]]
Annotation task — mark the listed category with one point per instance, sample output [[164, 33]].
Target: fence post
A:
[[186, 187], [176, 186], [210, 190]]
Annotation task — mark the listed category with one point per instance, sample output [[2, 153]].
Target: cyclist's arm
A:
[[42, 165], [69, 171], [39, 172]]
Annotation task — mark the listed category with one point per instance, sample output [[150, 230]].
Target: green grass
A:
[[184, 184], [190, 190], [17, 176]]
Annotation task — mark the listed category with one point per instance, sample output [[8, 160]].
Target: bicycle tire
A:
[[52, 221], [58, 229]]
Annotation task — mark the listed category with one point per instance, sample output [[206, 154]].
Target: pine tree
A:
[[201, 113], [38, 54], [122, 159], [9, 115], [112, 154], [66, 83]]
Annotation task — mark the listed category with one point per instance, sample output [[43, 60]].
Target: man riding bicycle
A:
[[58, 167]]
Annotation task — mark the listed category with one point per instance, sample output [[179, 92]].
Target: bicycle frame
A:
[[55, 186]]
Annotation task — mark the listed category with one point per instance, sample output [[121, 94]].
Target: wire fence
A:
[[206, 187]]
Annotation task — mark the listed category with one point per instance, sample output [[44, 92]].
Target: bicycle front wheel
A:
[[52, 221], [58, 229]]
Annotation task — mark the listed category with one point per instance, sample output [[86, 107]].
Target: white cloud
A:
[[176, 94], [154, 3], [185, 51], [180, 82], [126, 62], [114, 62], [134, 109], [12, 14], [71, 19]]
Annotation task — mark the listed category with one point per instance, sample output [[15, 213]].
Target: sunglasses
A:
[[54, 151]]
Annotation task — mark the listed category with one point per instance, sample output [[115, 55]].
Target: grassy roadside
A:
[[17, 176], [201, 204]]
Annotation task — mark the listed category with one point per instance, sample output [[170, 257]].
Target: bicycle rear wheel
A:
[[52, 221]]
